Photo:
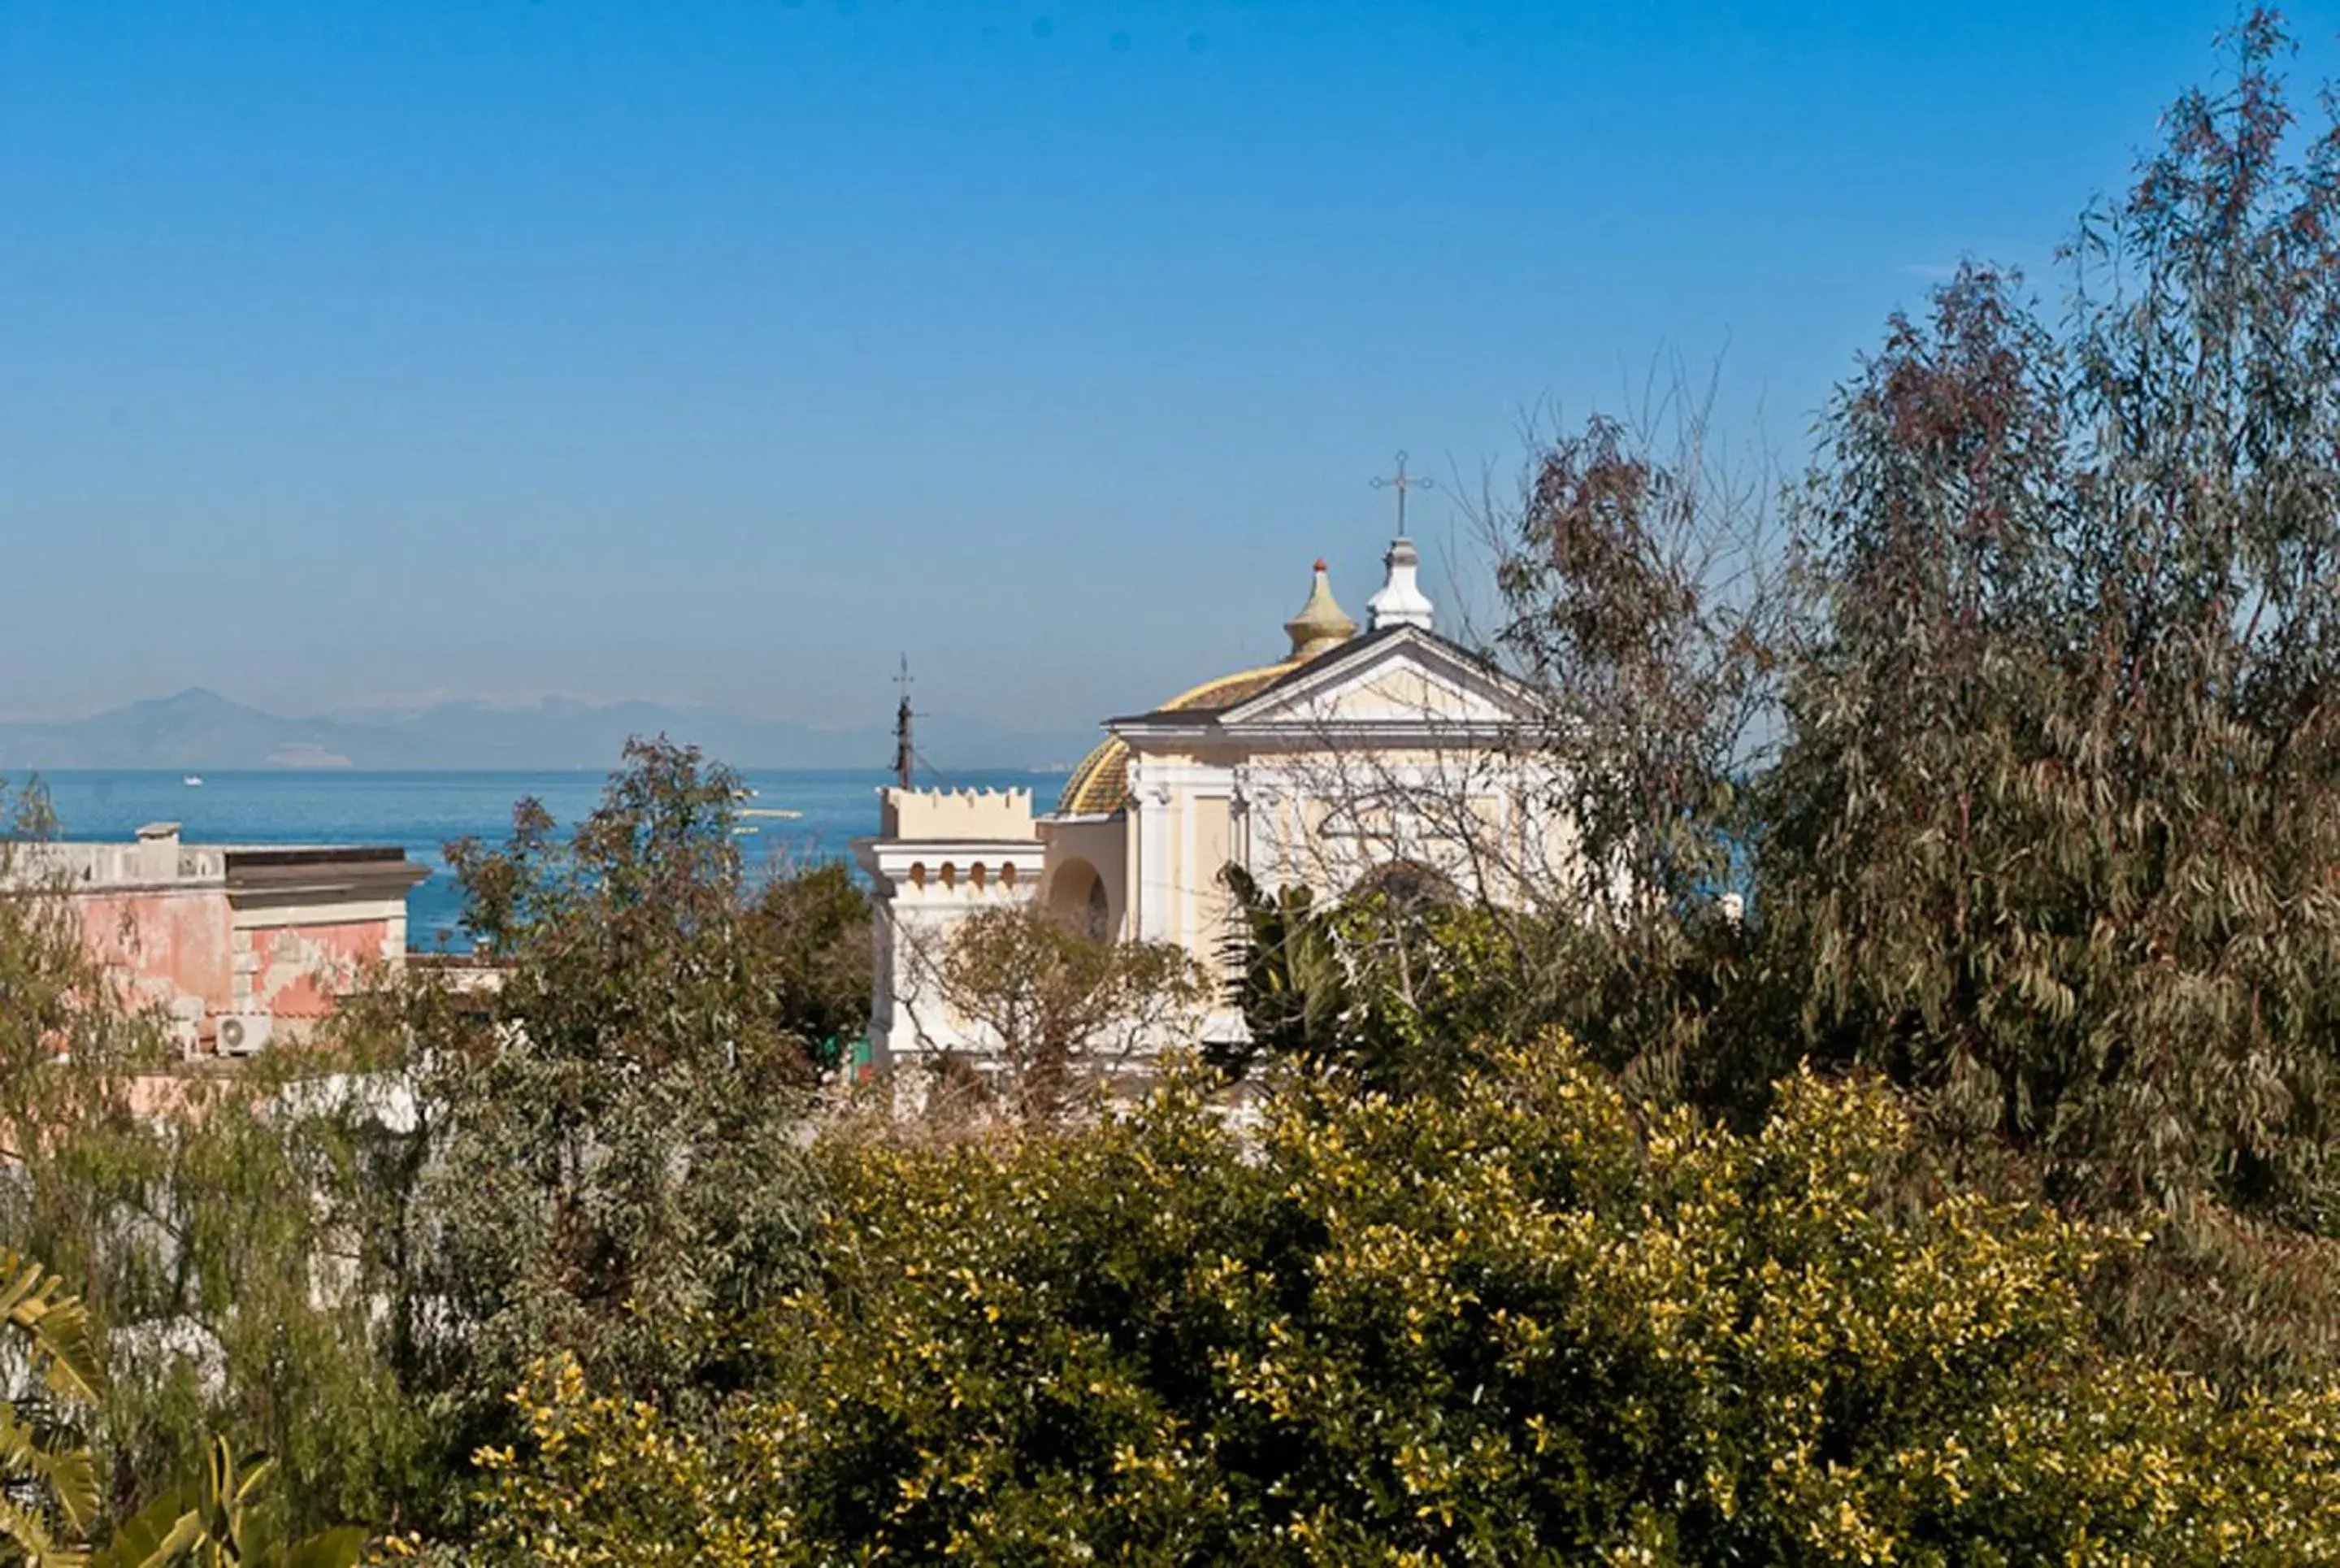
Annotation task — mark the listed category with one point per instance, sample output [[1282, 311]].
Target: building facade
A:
[[237, 946], [1355, 756]]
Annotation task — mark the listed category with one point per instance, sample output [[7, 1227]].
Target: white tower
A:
[[1399, 602]]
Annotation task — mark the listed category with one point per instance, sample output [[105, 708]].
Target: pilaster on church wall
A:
[[1181, 803], [1156, 828], [1210, 845]]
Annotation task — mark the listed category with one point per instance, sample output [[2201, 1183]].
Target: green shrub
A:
[[1518, 1323]]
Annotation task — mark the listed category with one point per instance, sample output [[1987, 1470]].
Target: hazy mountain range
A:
[[198, 729]]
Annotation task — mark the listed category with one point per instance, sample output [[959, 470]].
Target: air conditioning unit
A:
[[241, 1034]]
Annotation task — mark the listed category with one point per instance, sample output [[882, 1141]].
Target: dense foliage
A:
[[205, 1228], [2021, 748], [50, 1497], [348, 1254], [1520, 1323], [812, 924], [606, 1156], [1392, 993]]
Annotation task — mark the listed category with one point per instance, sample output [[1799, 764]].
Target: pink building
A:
[[238, 945]]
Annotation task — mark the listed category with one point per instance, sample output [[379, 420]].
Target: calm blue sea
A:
[[419, 812]]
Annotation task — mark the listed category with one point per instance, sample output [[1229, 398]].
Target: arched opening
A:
[[1076, 894], [1409, 885]]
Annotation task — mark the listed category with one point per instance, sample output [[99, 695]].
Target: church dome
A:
[[1100, 785]]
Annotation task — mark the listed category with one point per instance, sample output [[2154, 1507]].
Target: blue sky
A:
[[718, 351]]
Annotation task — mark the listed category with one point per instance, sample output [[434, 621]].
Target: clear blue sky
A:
[[716, 352]]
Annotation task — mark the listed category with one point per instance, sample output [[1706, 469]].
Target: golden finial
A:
[[1320, 624]]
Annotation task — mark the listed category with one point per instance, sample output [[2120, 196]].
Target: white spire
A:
[[1399, 602]]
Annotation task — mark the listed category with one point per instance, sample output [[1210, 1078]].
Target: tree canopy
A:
[[2012, 728]]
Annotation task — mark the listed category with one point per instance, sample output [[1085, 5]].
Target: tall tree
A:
[[2027, 761], [2057, 834], [1640, 568], [813, 921], [68, 1040], [613, 1161]]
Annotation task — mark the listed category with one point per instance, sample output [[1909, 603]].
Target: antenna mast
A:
[[904, 753]]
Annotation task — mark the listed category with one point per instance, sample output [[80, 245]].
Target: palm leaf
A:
[[157, 1534], [56, 1326], [335, 1548], [69, 1470], [214, 1516], [31, 1537], [256, 1469]]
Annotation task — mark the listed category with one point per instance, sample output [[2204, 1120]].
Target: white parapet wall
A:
[[154, 859], [982, 815]]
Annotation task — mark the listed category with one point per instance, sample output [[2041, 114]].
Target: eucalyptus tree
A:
[[604, 1155], [2057, 837], [2014, 725]]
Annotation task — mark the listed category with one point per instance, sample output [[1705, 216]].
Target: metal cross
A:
[[1402, 483]]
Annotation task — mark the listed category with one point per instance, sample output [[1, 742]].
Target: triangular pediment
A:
[[1403, 678]]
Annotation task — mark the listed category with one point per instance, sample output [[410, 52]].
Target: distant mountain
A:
[[198, 729]]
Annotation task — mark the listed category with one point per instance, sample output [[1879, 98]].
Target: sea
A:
[[421, 812]]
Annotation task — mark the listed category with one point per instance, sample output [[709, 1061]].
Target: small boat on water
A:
[[780, 812], [192, 781]]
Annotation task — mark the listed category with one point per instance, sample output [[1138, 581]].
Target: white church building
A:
[[1355, 755]]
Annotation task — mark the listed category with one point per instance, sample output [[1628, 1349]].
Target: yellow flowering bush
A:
[[1521, 1322]]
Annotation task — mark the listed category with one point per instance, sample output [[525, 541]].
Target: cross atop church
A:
[[1402, 482]]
